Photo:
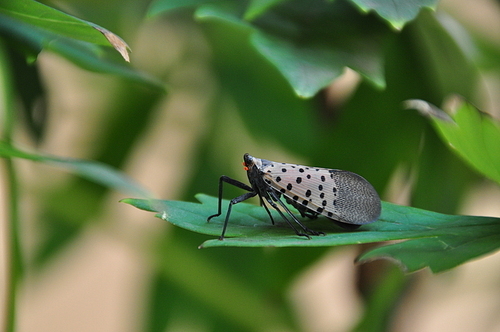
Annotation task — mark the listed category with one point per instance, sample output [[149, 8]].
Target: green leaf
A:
[[382, 300], [443, 57], [436, 240], [311, 56], [310, 68], [258, 7], [397, 13], [445, 251], [473, 135], [33, 39], [163, 6], [91, 170], [311, 42], [59, 23], [183, 266], [263, 94]]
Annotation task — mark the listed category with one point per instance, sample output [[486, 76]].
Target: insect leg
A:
[[267, 209], [304, 212], [270, 201], [231, 203], [271, 198], [306, 229], [235, 183]]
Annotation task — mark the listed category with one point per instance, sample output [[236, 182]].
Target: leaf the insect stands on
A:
[[433, 240]]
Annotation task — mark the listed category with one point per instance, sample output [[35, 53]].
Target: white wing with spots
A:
[[340, 195]]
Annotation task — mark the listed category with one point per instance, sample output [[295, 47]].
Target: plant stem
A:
[[14, 269], [13, 249]]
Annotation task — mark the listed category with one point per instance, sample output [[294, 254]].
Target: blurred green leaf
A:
[[221, 290], [311, 56], [311, 42], [447, 65], [263, 98], [164, 6], [435, 240], [310, 68], [32, 39], [258, 7], [473, 135], [397, 13], [32, 94], [431, 66], [47, 18], [91, 170], [382, 300]]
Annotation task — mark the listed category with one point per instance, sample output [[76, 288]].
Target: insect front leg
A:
[[235, 183], [231, 203]]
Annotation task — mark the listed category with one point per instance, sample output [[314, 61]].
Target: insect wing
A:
[[340, 195]]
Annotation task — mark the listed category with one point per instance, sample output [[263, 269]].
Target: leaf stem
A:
[[13, 249], [14, 269]]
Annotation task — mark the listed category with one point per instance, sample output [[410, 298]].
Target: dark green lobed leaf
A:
[[310, 56], [311, 42], [396, 13], [436, 240]]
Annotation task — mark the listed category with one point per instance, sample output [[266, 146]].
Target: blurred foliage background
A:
[[90, 263]]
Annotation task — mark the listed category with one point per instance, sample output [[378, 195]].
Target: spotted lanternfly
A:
[[344, 197]]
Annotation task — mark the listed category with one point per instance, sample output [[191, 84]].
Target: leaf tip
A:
[[367, 258], [426, 109], [119, 44]]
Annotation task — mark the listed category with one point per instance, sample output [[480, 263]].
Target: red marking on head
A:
[[245, 168]]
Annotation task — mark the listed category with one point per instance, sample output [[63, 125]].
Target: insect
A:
[[344, 197]]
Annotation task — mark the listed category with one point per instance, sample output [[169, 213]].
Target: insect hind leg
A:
[[267, 209], [307, 231], [304, 212]]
